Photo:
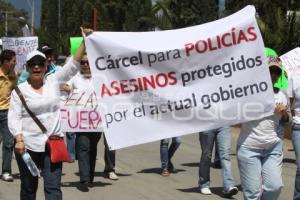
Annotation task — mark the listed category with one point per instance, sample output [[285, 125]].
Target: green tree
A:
[[279, 31], [48, 23], [139, 16], [172, 14], [122, 15], [14, 24], [74, 13], [112, 15]]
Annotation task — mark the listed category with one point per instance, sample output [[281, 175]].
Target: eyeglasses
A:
[[33, 64], [83, 62]]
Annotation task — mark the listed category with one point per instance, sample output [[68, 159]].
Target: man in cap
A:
[[8, 80]]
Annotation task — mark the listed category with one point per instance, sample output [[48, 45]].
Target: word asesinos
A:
[[139, 84], [109, 62]]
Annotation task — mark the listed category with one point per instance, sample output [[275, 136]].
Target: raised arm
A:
[[72, 67]]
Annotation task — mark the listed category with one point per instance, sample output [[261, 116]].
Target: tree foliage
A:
[[172, 14], [74, 13], [279, 31], [112, 15], [14, 24]]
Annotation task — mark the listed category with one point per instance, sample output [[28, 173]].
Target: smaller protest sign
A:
[[75, 43], [80, 113], [291, 61], [21, 46]]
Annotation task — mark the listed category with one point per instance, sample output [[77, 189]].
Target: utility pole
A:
[[221, 5], [32, 17], [59, 26], [58, 2], [94, 19], [31, 5], [6, 20], [6, 24]]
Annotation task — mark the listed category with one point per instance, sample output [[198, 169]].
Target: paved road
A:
[[138, 168]]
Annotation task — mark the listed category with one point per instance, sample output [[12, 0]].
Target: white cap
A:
[[34, 53]]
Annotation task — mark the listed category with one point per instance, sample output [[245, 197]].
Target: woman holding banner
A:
[[294, 94], [86, 142], [260, 149], [166, 154], [42, 95], [222, 137], [8, 80]]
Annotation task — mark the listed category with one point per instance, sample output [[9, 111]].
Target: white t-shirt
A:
[[294, 91], [46, 107], [81, 83], [261, 134]]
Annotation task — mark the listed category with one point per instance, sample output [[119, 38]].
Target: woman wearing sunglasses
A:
[[86, 142], [42, 96]]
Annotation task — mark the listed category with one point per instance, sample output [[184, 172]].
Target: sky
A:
[[221, 5], [24, 4]]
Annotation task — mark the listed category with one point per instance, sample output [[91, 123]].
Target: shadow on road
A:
[[102, 174], [190, 190], [84, 188], [158, 171], [194, 164], [289, 160], [16, 176], [215, 190]]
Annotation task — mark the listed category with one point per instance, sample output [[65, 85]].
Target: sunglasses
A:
[[83, 62], [39, 64]]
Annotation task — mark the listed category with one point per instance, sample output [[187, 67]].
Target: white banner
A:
[[80, 112], [155, 85], [22, 46], [291, 61]]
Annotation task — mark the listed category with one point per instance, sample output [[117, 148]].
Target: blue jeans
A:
[[217, 157], [222, 136], [280, 129], [71, 137], [8, 142], [296, 144], [86, 147], [167, 153], [255, 164], [50, 172]]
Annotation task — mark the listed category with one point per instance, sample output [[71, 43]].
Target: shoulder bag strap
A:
[[32, 115]]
